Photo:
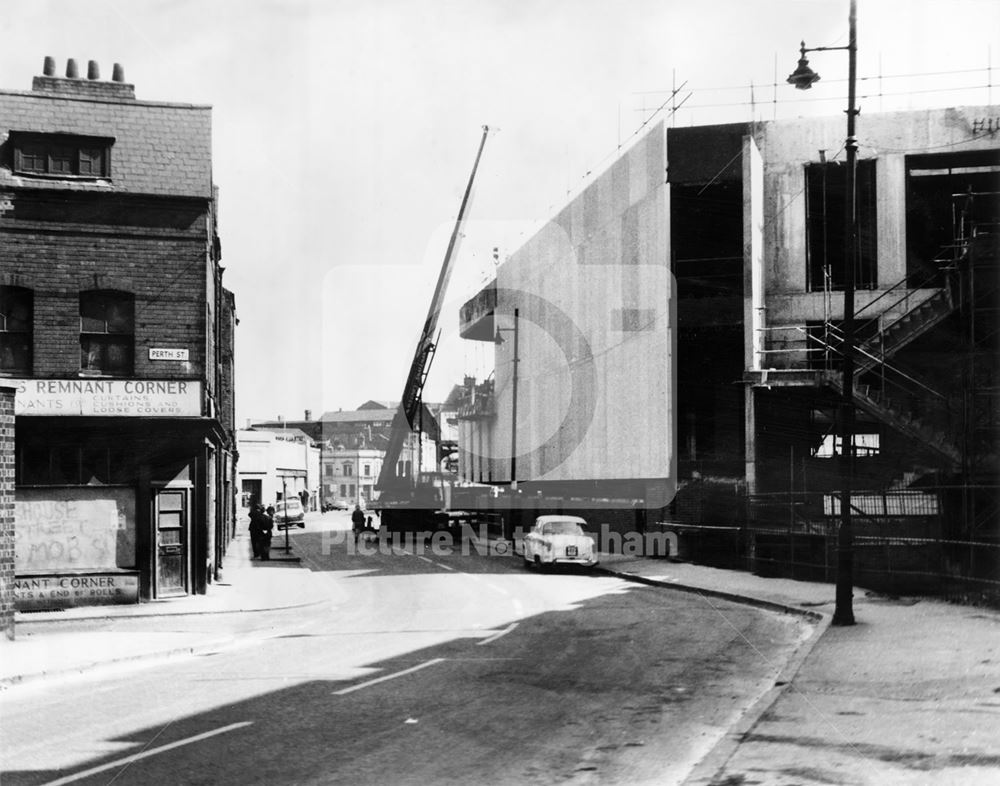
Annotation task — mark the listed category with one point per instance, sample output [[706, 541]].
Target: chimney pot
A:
[[72, 72], [118, 73], [93, 70], [49, 69]]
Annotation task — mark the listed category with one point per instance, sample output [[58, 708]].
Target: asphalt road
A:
[[433, 668]]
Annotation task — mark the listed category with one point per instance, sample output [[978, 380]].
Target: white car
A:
[[289, 513], [559, 540]]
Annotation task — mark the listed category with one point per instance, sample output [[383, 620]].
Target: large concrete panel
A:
[[592, 291]]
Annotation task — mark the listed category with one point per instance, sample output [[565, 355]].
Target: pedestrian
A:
[[357, 521], [258, 524], [265, 536]]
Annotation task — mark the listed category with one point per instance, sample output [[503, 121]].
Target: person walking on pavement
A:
[[357, 521]]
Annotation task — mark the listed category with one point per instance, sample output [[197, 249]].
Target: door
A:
[[250, 493], [171, 518]]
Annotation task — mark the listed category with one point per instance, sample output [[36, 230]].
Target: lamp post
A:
[[284, 498], [498, 339], [513, 418], [803, 78]]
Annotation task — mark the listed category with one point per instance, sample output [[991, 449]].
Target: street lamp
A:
[[284, 497], [803, 78], [513, 418]]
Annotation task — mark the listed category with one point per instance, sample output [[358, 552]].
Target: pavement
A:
[[57, 644], [910, 694]]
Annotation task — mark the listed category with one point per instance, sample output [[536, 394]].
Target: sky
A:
[[344, 134]]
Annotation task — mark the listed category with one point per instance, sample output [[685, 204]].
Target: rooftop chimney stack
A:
[[309, 414], [73, 84]]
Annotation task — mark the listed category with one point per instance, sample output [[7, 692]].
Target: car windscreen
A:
[[561, 528]]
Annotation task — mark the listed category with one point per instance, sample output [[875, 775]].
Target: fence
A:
[[942, 541]]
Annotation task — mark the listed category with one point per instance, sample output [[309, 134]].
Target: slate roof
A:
[[161, 149]]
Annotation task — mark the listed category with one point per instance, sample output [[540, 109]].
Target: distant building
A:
[[117, 333], [446, 414], [351, 474], [275, 464], [355, 440]]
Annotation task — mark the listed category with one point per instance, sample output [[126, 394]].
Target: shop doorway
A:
[[171, 516], [250, 493]]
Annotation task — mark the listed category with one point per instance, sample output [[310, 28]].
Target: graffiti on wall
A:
[[74, 529]]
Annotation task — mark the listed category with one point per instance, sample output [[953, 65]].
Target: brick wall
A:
[[162, 265], [7, 511], [95, 89]]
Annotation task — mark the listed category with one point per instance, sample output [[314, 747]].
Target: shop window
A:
[[107, 332], [65, 465], [74, 465], [343, 490], [61, 155], [16, 321], [826, 203], [31, 465]]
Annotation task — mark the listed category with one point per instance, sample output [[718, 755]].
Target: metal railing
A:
[[905, 541]]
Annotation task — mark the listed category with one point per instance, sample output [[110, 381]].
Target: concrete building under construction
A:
[[618, 381]]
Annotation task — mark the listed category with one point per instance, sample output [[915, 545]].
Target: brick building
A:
[[117, 334]]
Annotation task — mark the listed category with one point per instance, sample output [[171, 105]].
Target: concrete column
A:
[[750, 430], [890, 184]]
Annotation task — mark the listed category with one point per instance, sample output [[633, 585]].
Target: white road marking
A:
[[497, 635], [385, 677], [146, 754], [442, 565]]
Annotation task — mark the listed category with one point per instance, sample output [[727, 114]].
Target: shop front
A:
[[113, 509]]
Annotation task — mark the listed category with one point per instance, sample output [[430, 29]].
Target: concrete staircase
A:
[[896, 415], [896, 330]]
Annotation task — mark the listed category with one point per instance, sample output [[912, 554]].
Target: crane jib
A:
[[405, 419]]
